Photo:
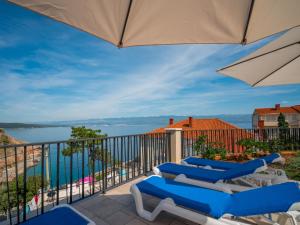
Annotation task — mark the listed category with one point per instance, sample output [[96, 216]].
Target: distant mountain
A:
[[25, 125], [243, 120]]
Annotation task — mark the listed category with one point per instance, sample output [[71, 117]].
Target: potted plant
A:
[[249, 145], [215, 151]]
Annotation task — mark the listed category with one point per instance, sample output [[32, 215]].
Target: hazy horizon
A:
[[127, 117]]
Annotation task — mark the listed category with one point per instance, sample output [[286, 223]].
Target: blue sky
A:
[[50, 71]]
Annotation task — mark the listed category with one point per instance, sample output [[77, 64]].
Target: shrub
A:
[[292, 168], [34, 184], [199, 144]]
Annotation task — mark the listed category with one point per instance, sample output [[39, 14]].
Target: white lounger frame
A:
[[76, 211], [168, 205]]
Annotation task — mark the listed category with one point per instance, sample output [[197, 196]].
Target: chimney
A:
[[171, 121], [277, 106], [261, 124], [190, 121]]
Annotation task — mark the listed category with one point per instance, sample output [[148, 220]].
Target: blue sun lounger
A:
[[215, 179], [270, 175], [206, 206], [60, 215], [214, 164]]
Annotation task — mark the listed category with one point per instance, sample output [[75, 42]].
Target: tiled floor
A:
[[117, 207]]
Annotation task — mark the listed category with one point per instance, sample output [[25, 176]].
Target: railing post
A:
[[145, 156], [176, 147]]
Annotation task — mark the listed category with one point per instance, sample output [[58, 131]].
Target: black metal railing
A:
[[37, 176], [265, 139]]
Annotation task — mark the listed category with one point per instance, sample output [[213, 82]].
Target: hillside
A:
[[24, 125], [15, 156]]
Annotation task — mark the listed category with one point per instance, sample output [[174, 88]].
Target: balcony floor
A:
[[117, 207]]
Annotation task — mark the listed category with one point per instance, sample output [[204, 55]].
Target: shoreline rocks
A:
[[15, 157]]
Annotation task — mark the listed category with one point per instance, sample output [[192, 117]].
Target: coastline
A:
[[15, 157]]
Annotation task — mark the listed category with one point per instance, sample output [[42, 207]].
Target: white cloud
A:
[[102, 81]]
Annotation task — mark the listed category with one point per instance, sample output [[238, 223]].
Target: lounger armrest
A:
[[156, 171], [295, 207]]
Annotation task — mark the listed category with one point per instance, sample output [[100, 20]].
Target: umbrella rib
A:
[[244, 40], [120, 45], [265, 77], [275, 50]]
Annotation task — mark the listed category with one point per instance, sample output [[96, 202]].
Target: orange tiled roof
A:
[[291, 109], [199, 124]]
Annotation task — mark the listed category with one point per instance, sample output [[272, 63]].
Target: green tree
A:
[[4, 140], [33, 185], [80, 133], [283, 128], [282, 124], [83, 138]]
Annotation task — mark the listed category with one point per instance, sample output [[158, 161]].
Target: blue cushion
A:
[[243, 169], [269, 199], [192, 172], [272, 199], [211, 175], [199, 199], [58, 216], [226, 165], [212, 163], [270, 158]]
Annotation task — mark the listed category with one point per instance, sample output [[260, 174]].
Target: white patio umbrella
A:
[[152, 22], [276, 63]]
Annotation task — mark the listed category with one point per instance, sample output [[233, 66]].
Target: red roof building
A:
[[267, 117], [215, 130], [197, 124]]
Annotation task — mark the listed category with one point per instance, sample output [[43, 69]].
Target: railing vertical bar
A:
[[139, 149], [106, 161], [127, 159], [134, 155], [121, 157], [82, 167], [159, 148], [7, 187], [43, 177], [71, 173], [114, 162], [57, 172], [131, 156], [24, 183], [17, 185], [93, 168], [102, 166], [145, 154]]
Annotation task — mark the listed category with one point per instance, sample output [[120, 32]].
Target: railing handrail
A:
[[245, 129]]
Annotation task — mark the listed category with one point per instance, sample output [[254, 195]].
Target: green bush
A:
[[209, 150], [292, 168], [34, 184], [199, 145], [253, 146], [249, 144]]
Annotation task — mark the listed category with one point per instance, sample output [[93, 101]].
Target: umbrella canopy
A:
[[152, 22], [276, 63]]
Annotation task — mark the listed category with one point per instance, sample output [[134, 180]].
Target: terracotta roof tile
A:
[[292, 109], [199, 124]]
